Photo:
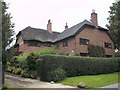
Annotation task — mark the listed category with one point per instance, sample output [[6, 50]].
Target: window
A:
[[83, 54], [108, 45], [34, 43], [108, 55], [47, 45], [65, 43], [84, 41]]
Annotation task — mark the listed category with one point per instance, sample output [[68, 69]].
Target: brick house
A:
[[73, 40]]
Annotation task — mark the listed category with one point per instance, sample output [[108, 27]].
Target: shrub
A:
[[74, 66], [48, 51], [96, 51], [9, 69], [24, 73], [18, 71], [56, 75], [33, 74], [31, 61], [117, 54]]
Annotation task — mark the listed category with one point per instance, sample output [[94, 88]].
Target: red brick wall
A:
[[25, 48], [96, 37], [68, 49]]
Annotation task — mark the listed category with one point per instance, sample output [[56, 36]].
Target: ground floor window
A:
[[108, 55], [83, 54]]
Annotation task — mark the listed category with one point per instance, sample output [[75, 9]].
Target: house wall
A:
[[24, 47], [27, 48], [67, 49], [96, 37]]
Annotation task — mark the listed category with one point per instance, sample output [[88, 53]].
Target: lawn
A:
[[92, 81]]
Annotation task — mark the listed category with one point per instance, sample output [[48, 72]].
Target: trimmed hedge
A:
[[75, 66]]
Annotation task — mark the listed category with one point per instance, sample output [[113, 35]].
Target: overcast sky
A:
[[36, 13]]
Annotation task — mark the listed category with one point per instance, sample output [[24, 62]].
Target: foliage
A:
[[48, 51], [56, 75], [96, 51], [117, 54], [7, 31], [75, 66], [17, 71], [92, 81], [114, 22], [31, 61]]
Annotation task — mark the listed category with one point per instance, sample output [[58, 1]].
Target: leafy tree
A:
[[114, 22], [7, 31]]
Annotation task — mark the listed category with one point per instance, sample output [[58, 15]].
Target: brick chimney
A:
[[66, 27], [94, 18], [49, 26]]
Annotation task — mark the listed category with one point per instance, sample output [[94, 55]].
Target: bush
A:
[[17, 71], [33, 74], [48, 51], [31, 61], [24, 73], [96, 51], [56, 75], [117, 54], [74, 66], [9, 69]]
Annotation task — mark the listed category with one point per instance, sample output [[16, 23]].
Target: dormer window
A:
[[108, 45], [84, 41]]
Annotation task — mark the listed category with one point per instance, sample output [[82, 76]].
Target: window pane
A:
[[108, 45], [84, 41], [65, 43]]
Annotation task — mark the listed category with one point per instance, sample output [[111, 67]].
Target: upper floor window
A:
[[65, 43], [108, 45], [84, 41]]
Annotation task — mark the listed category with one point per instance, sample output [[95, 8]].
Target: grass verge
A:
[[92, 81]]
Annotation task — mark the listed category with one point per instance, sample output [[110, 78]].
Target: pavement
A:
[[117, 85]]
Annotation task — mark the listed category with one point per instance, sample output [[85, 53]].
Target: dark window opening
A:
[[83, 54], [33, 43], [84, 41], [108, 45], [108, 55], [47, 45], [65, 43]]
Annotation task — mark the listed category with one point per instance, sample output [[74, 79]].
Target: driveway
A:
[[16, 81]]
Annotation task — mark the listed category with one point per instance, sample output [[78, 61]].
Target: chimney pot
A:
[[66, 27]]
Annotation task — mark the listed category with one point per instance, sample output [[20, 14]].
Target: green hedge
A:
[[75, 66]]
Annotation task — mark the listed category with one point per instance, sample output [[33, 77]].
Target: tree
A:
[[7, 31], [114, 23]]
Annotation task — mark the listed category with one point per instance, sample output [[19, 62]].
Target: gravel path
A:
[[19, 82]]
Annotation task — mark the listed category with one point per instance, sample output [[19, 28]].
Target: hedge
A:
[[74, 66]]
